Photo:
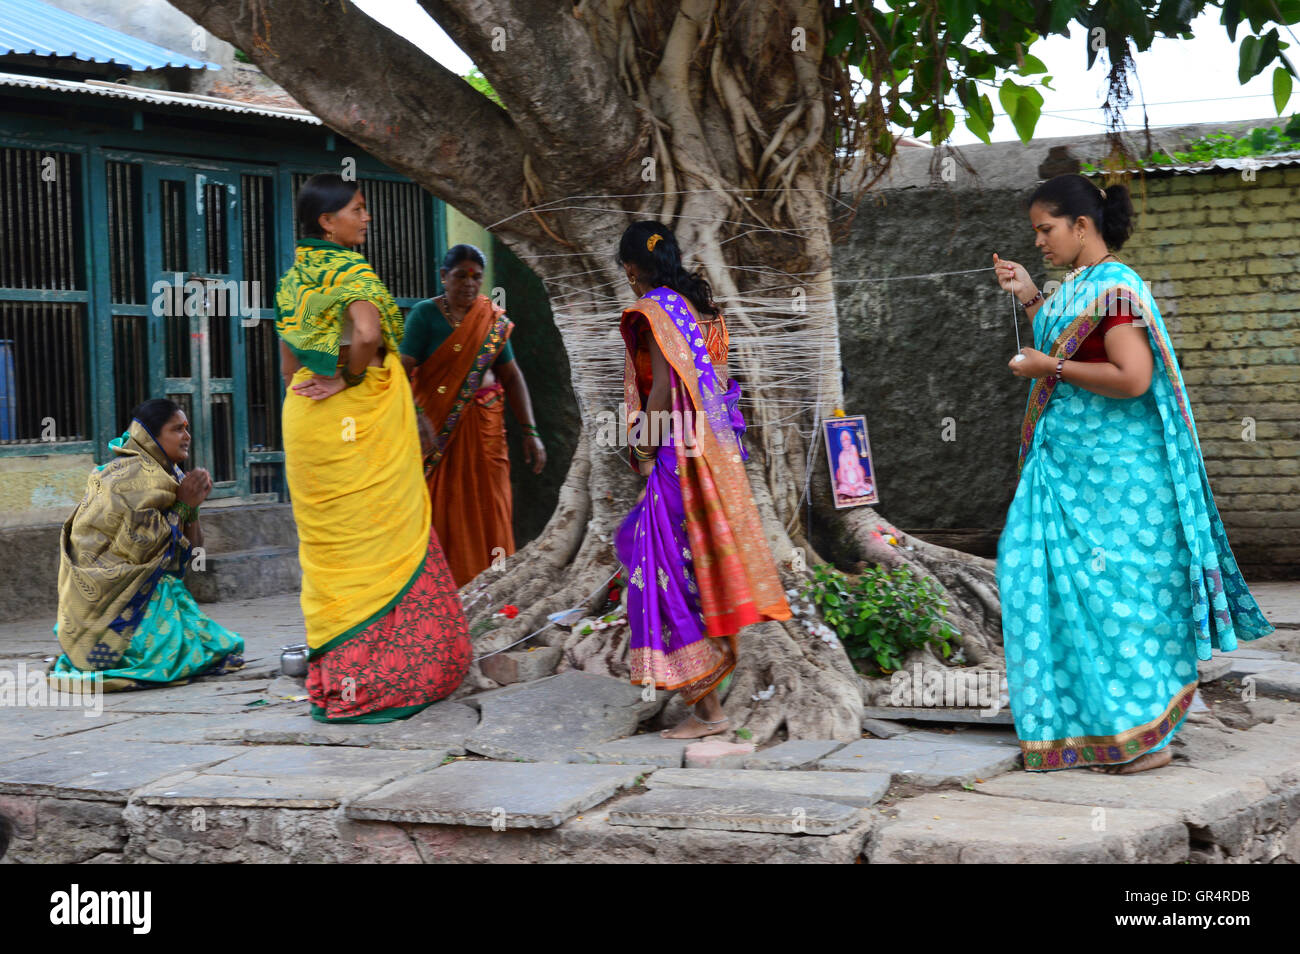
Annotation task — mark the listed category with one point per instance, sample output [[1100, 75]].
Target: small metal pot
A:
[[293, 660]]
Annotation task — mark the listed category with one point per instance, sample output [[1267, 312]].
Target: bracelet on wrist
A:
[[1060, 368], [1038, 296], [352, 380], [644, 453], [530, 430], [186, 512]]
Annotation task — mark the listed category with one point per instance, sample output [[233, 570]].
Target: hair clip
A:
[[652, 241]]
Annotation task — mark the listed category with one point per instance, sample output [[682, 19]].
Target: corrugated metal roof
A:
[[156, 96], [32, 28], [1239, 163]]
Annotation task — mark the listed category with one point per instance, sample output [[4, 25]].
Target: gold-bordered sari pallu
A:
[[468, 469], [698, 561]]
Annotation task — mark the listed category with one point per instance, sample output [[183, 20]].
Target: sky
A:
[[1183, 81]]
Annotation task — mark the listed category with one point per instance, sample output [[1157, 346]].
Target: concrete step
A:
[[29, 558], [231, 529], [246, 574]]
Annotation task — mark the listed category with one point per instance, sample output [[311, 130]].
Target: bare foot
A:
[[693, 727], [1152, 760]]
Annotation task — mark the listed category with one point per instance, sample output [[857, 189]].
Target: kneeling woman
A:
[[124, 613], [698, 562], [384, 622]]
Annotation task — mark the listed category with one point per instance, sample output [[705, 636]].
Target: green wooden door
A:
[[201, 306]]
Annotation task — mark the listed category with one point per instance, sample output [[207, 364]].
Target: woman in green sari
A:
[[125, 615]]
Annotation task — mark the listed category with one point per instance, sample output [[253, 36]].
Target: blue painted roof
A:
[[33, 28]]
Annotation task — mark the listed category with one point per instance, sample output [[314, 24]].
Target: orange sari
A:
[[468, 470]]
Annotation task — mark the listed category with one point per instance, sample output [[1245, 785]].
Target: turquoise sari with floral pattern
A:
[[1114, 569]]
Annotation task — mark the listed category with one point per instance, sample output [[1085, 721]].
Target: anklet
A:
[[707, 722]]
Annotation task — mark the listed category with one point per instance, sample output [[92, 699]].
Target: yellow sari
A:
[[385, 628]]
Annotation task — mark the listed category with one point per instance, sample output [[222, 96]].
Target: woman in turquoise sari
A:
[[126, 620], [1114, 569]]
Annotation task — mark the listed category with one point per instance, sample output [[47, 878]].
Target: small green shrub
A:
[[881, 615]]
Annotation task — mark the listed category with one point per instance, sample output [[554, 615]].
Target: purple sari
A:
[[670, 647]]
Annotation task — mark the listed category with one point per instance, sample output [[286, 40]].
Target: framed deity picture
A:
[[853, 478]]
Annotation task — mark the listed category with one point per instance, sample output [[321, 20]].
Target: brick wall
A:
[[1222, 256]]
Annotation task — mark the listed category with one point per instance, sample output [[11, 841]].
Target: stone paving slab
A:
[[178, 728], [741, 810], [1240, 666], [1210, 670], [210, 696], [1246, 652], [285, 725], [793, 755], [1283, 681], [1268, 752], [549, 719], [647, 749], [924, 759], [443, 725], [80, 767], [970, 828], [992, 735], [884, 729], [1198, 797], [289, 777], [940, 714], [716, 752], [501, 794], [591, 838], [22, 723], [848, 788]]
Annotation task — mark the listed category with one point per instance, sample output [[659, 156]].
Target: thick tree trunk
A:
[[726, 106]]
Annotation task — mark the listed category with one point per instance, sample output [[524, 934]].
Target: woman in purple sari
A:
[[697, 559]]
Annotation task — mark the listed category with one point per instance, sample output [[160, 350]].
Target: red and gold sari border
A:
[[1054, 754]]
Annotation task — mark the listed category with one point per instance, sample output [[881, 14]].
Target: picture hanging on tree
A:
[[853, 478]]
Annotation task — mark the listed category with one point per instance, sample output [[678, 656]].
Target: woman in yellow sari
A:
[[125, 616], [385, 629], [457, 347]]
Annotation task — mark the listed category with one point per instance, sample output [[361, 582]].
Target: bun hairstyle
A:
[[155, 413], [1071, 196], [462, 253], [652, 248], [327, 192]]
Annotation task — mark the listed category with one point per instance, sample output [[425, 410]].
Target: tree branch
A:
[[387, 96], [578, 121]]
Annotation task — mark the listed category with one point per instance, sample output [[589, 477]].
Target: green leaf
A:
[[843, 31], [1032, 65], [960, 15], [1281, 89], [1231, 17], [947, 119], [1023, 104], [1252, 47], [744, 734], [1062, 13]]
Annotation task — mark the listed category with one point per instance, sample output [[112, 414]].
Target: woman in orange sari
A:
[[457, 346], [699, 568]]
